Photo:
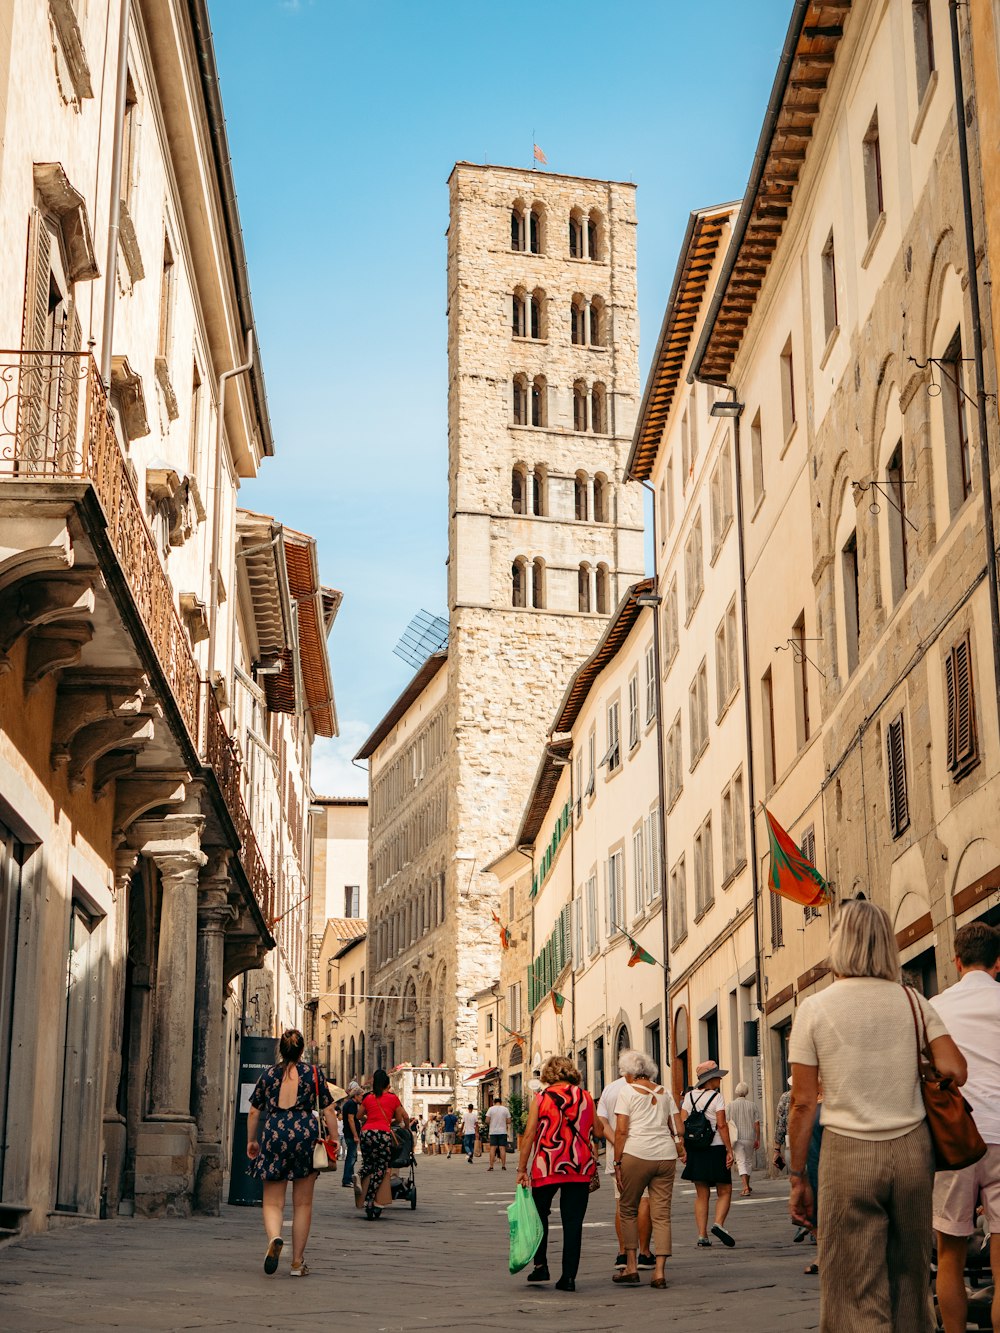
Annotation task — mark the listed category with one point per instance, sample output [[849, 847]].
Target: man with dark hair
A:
[[971, 1011]]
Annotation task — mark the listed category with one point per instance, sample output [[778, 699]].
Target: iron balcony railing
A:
[[55, 425]]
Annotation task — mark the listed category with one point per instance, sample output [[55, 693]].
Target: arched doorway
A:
[[622, 1043], [681, 1041]]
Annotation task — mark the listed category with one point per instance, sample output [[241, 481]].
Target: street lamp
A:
[[727, 407]]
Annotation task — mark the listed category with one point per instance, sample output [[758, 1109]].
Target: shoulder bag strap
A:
[[923, 1053], [319, 1112]]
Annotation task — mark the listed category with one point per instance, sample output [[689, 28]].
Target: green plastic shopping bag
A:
[[525, 1228]]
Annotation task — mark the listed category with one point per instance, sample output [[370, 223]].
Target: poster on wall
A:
[[256, 1055]]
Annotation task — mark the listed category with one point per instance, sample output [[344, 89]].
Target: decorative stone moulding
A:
[[67, 29], [129, 243], [194, 613], [127, 384], [59, 197], [161, 481], [163, 379]]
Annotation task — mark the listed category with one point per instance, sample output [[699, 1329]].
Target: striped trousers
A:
[[875, 1233]]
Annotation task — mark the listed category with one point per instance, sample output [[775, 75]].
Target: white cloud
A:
[[333, 774]]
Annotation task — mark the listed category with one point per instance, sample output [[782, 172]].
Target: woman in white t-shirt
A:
[[876, 1166], [647, 1145]]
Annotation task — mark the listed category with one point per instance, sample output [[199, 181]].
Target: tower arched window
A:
[[583, 587], [579, 406], [598, 410], [519, 584], [518, 314], [538, 583], [539, 490], [518, 489], [539, 401], [520, 400], [536, 314], [594, 234], [535, 230], [577, 235], [517, 226], [603, 583], [578, 321], [597, 320], [581, 505], [601, 499]]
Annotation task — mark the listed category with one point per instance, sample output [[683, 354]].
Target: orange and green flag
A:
[[793, 875], [558, 1001], [639, 954], [504, 933]]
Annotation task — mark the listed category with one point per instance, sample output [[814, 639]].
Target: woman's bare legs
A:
[[274, 1206], [302, 1213]]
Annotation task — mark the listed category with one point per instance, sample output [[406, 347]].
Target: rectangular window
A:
[[777, 921], [923, 45], [872, 154], [633, 710], [352, 992], [739, 831], [852, 620], [698, 700], [963, 736], [592, 940], [130, 141], [899, 806], [722, 497], [166, 300], [194, 437], [342, 997], [898, 553], [808, 850], [678, 903], [787, 388], [767, 710], [638, 871], [654, 861], [757, 458], [803, 728], [352, 900], [956, 434], [728, 858], [591, 762], [613, 758], [671, 630], [704, 887], [616, 893], [670, 495], [685, 452], [726, 659], [828, 259], [694, 570], [675, 770], [578, 932], [650, 683], [579, 784]]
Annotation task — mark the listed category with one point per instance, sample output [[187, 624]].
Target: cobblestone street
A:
[[441, 1267]]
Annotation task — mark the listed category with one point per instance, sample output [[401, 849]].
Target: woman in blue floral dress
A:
[[281, 1134]]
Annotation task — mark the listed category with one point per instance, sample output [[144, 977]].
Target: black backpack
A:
[[698, 1129]]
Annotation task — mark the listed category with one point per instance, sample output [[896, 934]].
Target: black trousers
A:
[[573, 1199]]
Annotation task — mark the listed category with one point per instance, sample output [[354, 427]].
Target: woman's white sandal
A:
[[299, 1270]]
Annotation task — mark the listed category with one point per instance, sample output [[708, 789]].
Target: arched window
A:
[[597, 313], [579, 406], [352, 1057], [601, 498], [576, 235], [536, 320], [519, 584], [361, 1055], [538, 583], [581, 506], [583, 587], [578, 321], [518, 314], [598, 410], [539, 489], [536, 237], [520, 401], [622, 1043], [517, 226], [539, 404], [518, 489], [594, 234], [516, 1055], [603, 591]]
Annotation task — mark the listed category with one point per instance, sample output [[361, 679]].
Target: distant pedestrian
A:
[[648, 1141], [282, 1132], [352, 1132], [498, 1124], [559, 1140], [380, 1110], [743, 1117], [876, 1166], [779, 1156], [431, 1135], [470, 1129], [606, 1109], [449, 1132], [417, 1130], [971, 1010], [709, 1151]]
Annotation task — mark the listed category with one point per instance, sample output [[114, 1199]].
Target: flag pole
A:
[[532, 150]]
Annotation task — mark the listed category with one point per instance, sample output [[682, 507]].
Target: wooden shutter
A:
[[899, 809], [32, 390], [963, 740], [777, 922]]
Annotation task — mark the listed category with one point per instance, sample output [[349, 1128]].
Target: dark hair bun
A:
[[291, 1045]]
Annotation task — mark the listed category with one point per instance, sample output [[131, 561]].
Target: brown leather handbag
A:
[[957, 1142]]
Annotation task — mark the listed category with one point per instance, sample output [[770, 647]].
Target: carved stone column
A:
[[215, 913], [114, 1123]]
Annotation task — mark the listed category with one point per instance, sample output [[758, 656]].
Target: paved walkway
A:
[[443, 1266]]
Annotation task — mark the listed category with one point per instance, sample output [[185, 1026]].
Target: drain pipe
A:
[[977, 344], [114, 203], [220, 399]]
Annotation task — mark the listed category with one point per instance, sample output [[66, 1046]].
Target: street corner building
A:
[[163, 662]]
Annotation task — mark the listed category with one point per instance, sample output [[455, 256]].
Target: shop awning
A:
[[480, 1076]]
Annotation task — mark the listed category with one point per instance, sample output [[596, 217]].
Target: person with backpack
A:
[[709, 1151]]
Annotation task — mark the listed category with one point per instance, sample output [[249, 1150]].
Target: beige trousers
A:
[[638, 1175], [874, 1216]]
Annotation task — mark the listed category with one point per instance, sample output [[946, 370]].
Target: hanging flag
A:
[[504, 933], [558, 1001], [793, 875], [540, 156], [639, 954]]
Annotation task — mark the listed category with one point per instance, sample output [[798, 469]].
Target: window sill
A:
[[532, 342], [700, 916], [873, 240], [614, 772], [672, 800], [633, 747], [759, 504], [828, 349], [734, 874], [717, 548], [696, 760], [589, 347], [727, 705], [925, 102], [963, 769], [789, 436], [678, 940], [523, 425], [585, 259], [693, 607], [669, 663]]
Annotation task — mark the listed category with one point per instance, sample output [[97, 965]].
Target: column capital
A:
[[179, 867], [172, 834], [215, 873], [214, 913], [126, 859]]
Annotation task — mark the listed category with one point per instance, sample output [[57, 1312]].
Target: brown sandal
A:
[[659, 1283], [627, 1279]]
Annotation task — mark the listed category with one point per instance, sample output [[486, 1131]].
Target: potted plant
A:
[[518, 1115]]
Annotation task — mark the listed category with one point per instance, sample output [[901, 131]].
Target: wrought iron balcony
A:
[[56, 426]]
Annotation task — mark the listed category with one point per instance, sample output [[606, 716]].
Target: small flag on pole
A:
[[504, 933], [558, 1001], [793, 875], [540, 156], [639, 954]]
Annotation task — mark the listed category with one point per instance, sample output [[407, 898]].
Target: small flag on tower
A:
[[504, 933], [540, 156], [558, 1001], [793, 875], [639, 954]]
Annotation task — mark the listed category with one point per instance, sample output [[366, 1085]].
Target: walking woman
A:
[[558, 1138], [876, 1169], [647, 1144], [380, 1110], [712, 1163], [282, 1132]]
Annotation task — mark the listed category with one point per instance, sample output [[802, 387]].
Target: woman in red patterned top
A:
[[559, 1135]]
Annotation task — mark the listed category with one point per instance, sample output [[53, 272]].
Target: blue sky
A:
[[345, 118]]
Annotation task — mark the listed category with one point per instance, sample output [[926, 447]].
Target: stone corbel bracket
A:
[[194, 613], [54, 647], [100, 738], [42, 601], [85, 699], [22, 558], [53, 188], [127, 384], [136, 796]]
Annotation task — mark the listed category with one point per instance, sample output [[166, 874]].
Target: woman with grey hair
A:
[[647, 1144], [743, 1118], [876, 1170]]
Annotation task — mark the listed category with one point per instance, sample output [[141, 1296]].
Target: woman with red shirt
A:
[[558, 1137], [379, 1110]]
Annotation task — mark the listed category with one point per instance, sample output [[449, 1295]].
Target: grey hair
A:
[[636, 1064], [741, 1090], [862, 943]]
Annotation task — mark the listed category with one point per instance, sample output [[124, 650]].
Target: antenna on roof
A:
[[425, 635]]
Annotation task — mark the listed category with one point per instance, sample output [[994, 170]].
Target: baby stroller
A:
[[404, 1186]]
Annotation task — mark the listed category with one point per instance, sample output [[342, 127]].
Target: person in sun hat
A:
[[709, 1151]]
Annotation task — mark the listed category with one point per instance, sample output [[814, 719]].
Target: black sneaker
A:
[[724, 1236], [540, 1274], [621, 1261], [646, 1261], [566, 1284], [704, 1243]]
